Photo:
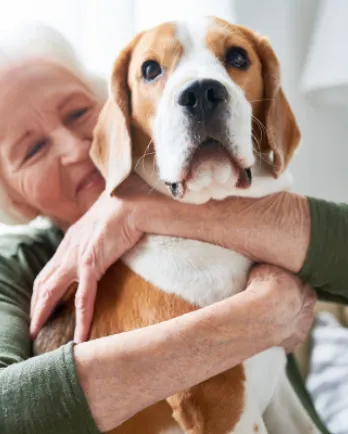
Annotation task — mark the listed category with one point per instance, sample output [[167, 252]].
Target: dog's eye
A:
[[238, 58], [151, 70]]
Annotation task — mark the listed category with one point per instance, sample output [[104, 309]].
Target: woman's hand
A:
[[88, 249], [290, 303]]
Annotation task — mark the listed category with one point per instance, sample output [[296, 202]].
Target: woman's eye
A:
[[151, 70], [34, 149], [77, 114], [238, 58]]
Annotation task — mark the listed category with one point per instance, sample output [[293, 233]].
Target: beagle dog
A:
[[196, 109]]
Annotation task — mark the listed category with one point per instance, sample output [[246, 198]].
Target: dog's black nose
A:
[[201, 97]]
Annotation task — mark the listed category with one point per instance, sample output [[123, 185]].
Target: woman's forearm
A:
[[136, 369], [274, 229]]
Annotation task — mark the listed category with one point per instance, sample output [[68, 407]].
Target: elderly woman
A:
[[48, 108]]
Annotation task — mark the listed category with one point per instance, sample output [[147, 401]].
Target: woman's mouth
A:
[[92, 180]]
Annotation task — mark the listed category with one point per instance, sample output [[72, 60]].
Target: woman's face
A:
[[47, 117]]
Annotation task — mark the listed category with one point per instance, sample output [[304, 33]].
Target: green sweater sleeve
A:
[[37, 394], [326, 264]]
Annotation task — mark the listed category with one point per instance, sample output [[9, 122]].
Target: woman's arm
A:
[[303, 235], [38, 395], [273, 229], [274, 310]]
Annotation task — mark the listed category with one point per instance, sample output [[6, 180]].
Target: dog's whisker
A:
[[142, 158], [260, 125], [148, 154], [145, 154], [152, 189]]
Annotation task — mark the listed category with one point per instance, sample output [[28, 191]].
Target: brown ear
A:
[[111, 149], [283, 134]]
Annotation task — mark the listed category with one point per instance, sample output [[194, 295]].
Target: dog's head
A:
[[195, 108]]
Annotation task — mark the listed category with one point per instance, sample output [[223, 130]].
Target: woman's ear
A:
[[111, 149], [282, 132]]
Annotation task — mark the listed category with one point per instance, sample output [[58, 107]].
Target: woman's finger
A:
[[46, 274], [84, 303], [48, 295], [53, 276]]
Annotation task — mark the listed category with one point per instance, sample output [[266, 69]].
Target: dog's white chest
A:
[[200, 273]]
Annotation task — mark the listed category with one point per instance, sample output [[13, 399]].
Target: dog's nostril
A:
[[187, 98], [191, 99], [211, 95], [216, 94], [248, 174]]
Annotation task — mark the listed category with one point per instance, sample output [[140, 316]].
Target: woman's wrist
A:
[[220, 336]]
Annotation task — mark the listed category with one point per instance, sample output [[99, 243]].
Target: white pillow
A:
[[328, 379]]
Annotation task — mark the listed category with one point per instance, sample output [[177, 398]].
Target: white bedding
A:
[[328, 378]]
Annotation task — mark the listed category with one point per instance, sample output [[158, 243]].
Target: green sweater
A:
[[42, 394]]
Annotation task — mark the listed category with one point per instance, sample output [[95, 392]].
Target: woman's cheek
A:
[[42, 185]]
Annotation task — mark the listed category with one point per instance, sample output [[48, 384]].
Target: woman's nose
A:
[[71, 147]]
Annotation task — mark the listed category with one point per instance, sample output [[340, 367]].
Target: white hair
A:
[[31, 41]]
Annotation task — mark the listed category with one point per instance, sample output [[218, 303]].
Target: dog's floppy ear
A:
[[111, 149], [282, 132]]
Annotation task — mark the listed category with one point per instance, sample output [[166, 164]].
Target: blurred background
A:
[[309, 37]]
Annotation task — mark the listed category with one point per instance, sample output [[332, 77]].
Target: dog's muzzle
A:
[[209, 155]]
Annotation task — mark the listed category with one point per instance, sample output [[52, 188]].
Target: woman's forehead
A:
[[33, 74], [36, 86], [31, 92]]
